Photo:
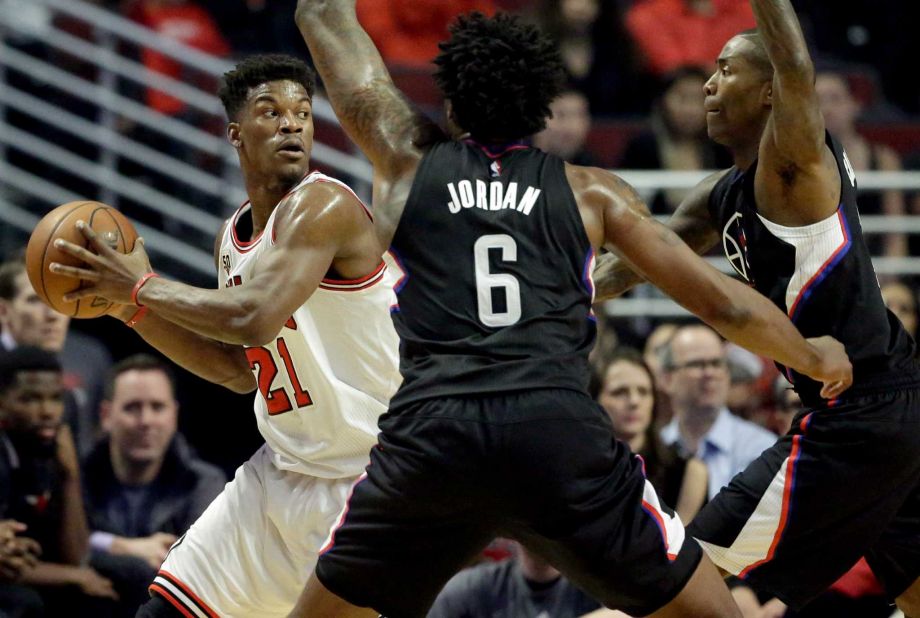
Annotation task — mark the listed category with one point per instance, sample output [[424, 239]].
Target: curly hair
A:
[[500, 75], [259, 69]]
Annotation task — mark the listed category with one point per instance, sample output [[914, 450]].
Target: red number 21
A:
[[262, 361]]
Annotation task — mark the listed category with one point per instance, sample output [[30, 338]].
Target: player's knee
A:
[[158, 607]]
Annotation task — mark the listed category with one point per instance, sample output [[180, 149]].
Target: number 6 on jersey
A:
[[487, 281]]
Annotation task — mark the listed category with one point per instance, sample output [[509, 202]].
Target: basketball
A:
[[112, 226]]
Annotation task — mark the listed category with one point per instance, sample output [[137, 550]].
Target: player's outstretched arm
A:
[[374, 113], [796, 165], [691, 221], [732, 308], [318, 223]]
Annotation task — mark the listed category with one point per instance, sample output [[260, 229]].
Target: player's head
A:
[[696, 370], [627, 394], [23, 315], [31, 395], [269, 103], [739, 93], [140, 412], [498, 76]]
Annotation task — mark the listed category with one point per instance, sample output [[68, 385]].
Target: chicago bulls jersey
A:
[[329, 373], [821, 275]]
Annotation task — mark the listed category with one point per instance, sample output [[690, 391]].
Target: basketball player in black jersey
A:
[[844, 482], [493, 431]]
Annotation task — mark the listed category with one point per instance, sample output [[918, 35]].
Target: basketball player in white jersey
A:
[[302, 314]]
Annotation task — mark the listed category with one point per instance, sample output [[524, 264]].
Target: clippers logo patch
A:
[[734, 243]]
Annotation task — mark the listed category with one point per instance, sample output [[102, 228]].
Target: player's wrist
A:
[[135, 292]]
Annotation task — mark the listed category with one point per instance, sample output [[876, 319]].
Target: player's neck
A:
[[264, 194], [745, 155]]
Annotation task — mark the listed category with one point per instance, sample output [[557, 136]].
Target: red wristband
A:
[[140, 283], [137, 317]]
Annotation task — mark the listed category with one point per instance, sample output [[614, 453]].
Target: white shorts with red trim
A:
[[251, 552]]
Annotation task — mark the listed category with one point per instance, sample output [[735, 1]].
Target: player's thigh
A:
[[246, 555], [580, 499], [415, 518], [810, 506]]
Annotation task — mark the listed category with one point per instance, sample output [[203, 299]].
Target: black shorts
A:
[[842, 484], [541, 467]]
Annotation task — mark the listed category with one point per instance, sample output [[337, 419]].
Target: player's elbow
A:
[[255, 331]]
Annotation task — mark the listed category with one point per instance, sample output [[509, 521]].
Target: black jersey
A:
[[821, 275], [496, 294]]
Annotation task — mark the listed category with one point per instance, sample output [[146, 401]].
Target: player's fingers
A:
[[101, 247], [74, 271], [77, 251], [81, 293]]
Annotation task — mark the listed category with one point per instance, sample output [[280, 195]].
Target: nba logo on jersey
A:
[[496, 168]]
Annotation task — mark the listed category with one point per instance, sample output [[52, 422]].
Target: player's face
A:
[[34, 405], [274, 134], [628, 399], [30, 321], [736, 100], [141, 419], [699, 378]]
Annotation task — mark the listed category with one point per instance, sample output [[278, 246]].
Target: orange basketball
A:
[[112, 226]]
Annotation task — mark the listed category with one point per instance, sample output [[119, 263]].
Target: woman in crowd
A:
[[627, 393]]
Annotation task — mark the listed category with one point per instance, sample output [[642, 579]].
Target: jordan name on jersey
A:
[[490, 196]]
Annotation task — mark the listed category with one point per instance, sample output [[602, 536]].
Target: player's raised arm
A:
[[691, 222], [375, 114], [735, 310], [793, 152]]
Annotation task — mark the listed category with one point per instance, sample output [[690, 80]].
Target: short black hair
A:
[[138, 362], [759, 56], [260, 69], [500, 75], [9, 271], [25, 358]]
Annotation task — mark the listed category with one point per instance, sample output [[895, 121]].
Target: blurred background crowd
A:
[[107, 493]]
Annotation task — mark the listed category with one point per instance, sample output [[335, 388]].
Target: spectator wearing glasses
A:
[[695, 375]]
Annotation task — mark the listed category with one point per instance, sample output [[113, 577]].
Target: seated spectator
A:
[[627, 393], [525, 586], [43, 491], [901, 300], [652, 353], [144, 486], [26, 320], [597, 54], [696, 376], [407, 33], [567, 129], [675, 33], [841, 111], [677, 138]]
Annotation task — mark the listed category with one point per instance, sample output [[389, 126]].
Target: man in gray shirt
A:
[[523, 587], [696, 377]]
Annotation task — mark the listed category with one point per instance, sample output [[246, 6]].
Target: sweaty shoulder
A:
[[600, 194], [322, 202]]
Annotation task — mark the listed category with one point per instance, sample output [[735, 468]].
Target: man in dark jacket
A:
[[144, 485]]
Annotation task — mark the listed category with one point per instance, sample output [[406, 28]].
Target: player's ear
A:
[[233, 134], [766, 94]]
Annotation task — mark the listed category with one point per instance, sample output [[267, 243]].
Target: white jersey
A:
[[329, 373]]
